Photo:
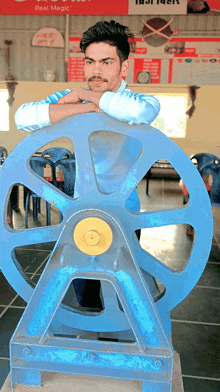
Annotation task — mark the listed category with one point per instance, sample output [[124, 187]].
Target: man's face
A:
[[102, 69]]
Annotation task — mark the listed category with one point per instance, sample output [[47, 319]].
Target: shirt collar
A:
[[122, 87]]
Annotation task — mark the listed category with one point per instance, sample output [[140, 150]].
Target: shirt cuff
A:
[[105, 101], [43, 118]]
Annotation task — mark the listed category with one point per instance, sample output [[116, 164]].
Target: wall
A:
[[28, 64], [202, 132]]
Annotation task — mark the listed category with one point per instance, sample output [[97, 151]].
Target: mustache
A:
[[97, 77]]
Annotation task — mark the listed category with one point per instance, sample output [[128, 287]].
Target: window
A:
[[172, 117], [4, 118]]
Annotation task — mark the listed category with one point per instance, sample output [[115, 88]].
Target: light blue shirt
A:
[[108, 152]]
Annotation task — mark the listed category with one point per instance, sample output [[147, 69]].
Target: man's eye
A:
[[107, 62], [88, 62]]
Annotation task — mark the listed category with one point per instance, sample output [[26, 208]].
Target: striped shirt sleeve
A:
[[35, 115], [133, 108]]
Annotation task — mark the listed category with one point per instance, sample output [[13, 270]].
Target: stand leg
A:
[[25, 377], [148, 386]]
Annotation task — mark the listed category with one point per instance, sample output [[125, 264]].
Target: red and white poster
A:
[[76, 69], [182, 60], [150, 67], [76, 61]]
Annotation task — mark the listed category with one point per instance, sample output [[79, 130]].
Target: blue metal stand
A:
[[124, 269]]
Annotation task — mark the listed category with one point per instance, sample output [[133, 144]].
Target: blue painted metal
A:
[[33, 345]]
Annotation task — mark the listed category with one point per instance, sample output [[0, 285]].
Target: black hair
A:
[[112, 33]]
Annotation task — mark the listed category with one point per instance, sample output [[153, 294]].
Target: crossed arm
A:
[[71, 104], [125, 105]]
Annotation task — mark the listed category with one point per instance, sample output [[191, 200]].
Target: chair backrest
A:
[[37, 164], [214, 169], [3, 154], [203, 159], [68, 165], [57, 153]]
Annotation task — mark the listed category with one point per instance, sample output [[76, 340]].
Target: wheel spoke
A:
[[31, 236], [85, 172], [134, 176], [153, 266], [47, 191], [161, 218]]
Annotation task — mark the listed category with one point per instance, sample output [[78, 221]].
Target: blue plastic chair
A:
[[56, 153], [37, 164], [68, 166], [203, 159], [214, 170], [3, 154]]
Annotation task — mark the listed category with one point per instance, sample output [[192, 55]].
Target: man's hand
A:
[[81, 94], [72, 97]]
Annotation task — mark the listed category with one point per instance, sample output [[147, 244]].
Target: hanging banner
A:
[[62, 7], [93, 7], [157, 7], [113, 7]]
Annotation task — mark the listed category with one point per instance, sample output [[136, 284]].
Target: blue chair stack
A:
[[37, 164]]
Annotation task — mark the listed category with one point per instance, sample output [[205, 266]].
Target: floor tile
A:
[[4, 370], [42, 246], [19, 302], [7, 293], [8, 323], [211, 276], [174, 255], [214, 254], [200, 305], [198, 346], [200, 385], [31, 260]]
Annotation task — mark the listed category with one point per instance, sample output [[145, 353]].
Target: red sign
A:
[[76, 69], [150, 65], [140, 50], [61, 7]]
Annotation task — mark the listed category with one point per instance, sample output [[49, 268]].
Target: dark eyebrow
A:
[[107, 58]]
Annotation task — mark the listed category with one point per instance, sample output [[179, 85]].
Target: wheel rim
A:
[[196, 213]]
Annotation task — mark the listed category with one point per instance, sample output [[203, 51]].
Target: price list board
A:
[[76, 69]]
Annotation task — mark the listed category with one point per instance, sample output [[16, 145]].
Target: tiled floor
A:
[[195, 322]]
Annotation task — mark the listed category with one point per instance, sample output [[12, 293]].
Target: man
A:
[[106, 48]]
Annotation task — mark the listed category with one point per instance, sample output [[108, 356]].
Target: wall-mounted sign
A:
[[181, 60], [48, 37], [76, 61]]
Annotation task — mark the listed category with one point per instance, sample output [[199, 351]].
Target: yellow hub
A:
[[92, 236]]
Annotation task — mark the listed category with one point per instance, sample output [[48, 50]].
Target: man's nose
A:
[[97, 68]]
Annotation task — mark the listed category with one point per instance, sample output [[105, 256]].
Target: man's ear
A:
[[125, 68]]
